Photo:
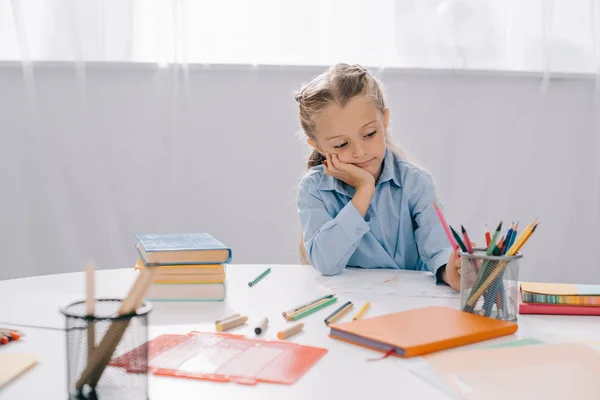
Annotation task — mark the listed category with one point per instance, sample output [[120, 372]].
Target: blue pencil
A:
[[333, 314], [508, 238], [514, 235]]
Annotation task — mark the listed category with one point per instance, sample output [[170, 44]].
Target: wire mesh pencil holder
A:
[[489, 285], [84, 334]]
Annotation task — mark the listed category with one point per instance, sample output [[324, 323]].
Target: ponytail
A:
[[315, 159]]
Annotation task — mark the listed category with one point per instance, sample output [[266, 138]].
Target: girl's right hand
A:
[[349, 173]]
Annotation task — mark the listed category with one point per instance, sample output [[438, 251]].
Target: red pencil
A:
[[488, 237]]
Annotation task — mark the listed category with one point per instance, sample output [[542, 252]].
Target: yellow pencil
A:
[[362, 310], [523, 237]]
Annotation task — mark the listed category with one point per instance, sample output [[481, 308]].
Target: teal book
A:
[[158, 249]]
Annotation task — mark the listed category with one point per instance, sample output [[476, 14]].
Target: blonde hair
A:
[[336, 86]]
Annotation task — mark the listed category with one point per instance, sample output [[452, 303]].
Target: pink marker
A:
[[446, 228]]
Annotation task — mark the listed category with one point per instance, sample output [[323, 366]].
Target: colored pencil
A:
[[258, 278], [306, 304], [362, 310], [514, 235], [467, 240], [509, 234], [318, 303], [340, 312], [488, 237], [484, 270], [518, 243], [314, 309], [458, 240], [492, 244], [491, 296], [445, 225]]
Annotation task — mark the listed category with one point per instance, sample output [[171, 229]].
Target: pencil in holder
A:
[[489, 285], [84, 333]]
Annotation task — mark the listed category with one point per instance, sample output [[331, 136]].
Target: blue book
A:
[[181, 248]]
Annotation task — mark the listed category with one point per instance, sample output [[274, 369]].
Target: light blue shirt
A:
[[400, 230]]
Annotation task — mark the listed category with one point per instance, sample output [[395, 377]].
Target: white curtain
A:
[[502, 35], [127, 116]]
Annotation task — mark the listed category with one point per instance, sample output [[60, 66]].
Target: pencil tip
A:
[[499, 226], [462, 228]]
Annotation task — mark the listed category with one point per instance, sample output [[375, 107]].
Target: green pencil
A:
[[258, 278], [490, 249], [458, 240], [314, 309]]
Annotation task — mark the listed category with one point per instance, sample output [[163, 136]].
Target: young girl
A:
[[361, 203]]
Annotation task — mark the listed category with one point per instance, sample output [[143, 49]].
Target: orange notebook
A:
[[421, 331]]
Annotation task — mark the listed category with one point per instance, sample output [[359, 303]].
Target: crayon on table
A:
[[318, 303], [313, 309], [259, 278], [12, 334], [223, 319], [262, 325], [362, 310], [231, 323], [292, 330], [305, 305], [339, 313]]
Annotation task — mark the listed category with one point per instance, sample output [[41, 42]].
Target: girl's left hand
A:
[[452, 272], [453, 269]]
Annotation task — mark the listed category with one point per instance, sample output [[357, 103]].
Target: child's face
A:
[[356, 133]]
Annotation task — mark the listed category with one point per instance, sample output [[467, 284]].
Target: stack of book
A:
[[191, 266], [559, 299]]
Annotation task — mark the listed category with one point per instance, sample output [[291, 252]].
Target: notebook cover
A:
[[560, 289], [421, 331], [12, 365], [179, 242], [555, 309], [172, 276], [184, 268], [545, 371]]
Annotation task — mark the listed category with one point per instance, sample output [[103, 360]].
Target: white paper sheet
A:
[[387, 282]]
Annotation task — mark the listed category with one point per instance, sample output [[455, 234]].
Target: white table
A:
[[342, 372]]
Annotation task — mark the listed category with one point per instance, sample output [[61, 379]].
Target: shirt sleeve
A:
[[432, 242], [329, 240]]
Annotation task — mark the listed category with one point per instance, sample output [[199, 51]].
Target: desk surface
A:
[[343, 372]]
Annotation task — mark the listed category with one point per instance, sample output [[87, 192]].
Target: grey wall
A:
[[88, 157]]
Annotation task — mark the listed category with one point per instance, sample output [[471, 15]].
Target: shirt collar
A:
[[389, 170], [387, 173]]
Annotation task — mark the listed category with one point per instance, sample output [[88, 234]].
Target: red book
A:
[[555, 309]]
